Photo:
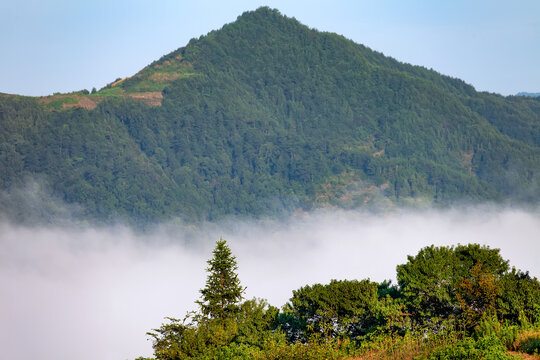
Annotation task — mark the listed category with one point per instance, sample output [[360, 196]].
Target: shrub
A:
[[529, 342], [491, 327], [486, 348]]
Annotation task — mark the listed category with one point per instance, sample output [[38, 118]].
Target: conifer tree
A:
[[222, 294]]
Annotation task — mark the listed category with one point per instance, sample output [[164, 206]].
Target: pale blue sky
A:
[[64, 45]]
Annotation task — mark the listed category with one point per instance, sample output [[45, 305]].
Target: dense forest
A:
[[262, 117], [451, 303]]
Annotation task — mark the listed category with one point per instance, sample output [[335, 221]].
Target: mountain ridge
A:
[[528, 94], [267, 115]]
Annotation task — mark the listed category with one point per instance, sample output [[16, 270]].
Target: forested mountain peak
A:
[[264, 116]]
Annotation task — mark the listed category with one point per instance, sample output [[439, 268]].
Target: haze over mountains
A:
[[263, 117], [528, 94]]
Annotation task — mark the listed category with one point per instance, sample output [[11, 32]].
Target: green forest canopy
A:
[[262, 117]]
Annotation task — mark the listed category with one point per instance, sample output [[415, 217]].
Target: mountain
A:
[[266, 116], [528, 94]]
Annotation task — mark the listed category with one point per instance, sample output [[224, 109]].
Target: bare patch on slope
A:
[[152, 98]]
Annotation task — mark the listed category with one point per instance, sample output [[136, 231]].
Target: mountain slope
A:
[[266, 115]]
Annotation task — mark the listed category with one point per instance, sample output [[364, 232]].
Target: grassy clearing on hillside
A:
[[112, 91]]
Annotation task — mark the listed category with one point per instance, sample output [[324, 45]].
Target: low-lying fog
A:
[[93, 293]]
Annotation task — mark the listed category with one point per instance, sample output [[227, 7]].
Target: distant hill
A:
[[528, 94], [262, 117]]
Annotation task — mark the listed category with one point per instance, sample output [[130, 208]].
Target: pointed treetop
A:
[[222, 294]]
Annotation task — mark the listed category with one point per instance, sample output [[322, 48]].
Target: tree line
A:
[[450, 302]]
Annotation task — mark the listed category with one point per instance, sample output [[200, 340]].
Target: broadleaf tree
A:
[[441, 283]]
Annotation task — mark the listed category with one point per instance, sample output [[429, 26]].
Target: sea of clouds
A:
[[82, 292]]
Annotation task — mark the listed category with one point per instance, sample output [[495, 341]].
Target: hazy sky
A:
[[64, 45]]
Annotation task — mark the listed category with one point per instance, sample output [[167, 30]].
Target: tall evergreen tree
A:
[[222, 294]]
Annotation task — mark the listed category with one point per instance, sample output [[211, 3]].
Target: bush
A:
[[486, 348], [491, 327], [529, 342], [231, 352]]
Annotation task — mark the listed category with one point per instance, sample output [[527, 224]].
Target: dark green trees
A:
[[519, 297], [339, 308], [216, 324], [342, 309], [464, 285], [222, 294], [225, 327], [435, 279]]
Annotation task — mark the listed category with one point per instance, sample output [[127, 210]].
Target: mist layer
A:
[[89, 293]]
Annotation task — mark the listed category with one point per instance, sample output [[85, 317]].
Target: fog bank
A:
[[93, 293]]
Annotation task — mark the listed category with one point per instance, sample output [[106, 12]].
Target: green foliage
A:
[[255, 320], [173, 340], [443, 284], [476, 296], [489, 325], [222, 294], [353, 319], [530, 343], [519, 301], [112, 91], [224, 327], [339, 309], [58, 102], [488, 348]]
